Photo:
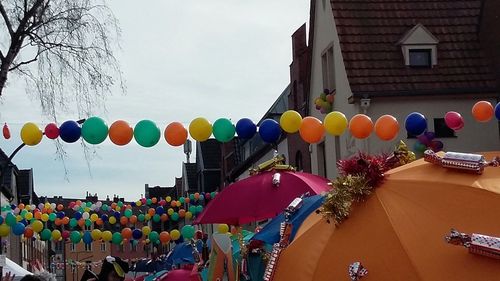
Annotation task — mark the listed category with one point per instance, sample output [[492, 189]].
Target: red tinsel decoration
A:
[[372, 167]]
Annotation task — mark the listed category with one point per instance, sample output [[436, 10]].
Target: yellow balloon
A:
[[223, 228], [138, 203], [147, 217], [107, 235], [178, 203], [189, 215], [4, 230], [30, 134], [175, 234], [168, 199], [112, 220], [19, 218], [146, 230], [200, 129], [56, 235], [86, 209], [94, 217], [27, 207], [335, 123], [96, 234], [37, 226], [45, 217], [28, 216], [47, 206], [290, 121], [170, 211]]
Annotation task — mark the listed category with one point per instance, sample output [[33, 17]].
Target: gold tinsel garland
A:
[[355, 188]]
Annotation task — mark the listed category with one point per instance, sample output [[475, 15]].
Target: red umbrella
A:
[[180, 275], [260, 197]]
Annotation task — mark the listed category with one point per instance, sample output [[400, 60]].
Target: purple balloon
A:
[[430, 135], [437, 146]]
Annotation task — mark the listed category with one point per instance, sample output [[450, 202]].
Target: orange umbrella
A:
[[398, 232]]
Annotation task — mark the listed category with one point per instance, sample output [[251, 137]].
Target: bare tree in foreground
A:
[[62, 48]]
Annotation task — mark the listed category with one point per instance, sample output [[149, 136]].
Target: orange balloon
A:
[[187, 200], [113, 205], [21, 206], [182, 213], [28, 232], [65, 220], [99, 222], [311, 130], [482, 111], [38, 215], [58, 222], [361, 126], [133, 219], [154, 200], [164, 237], [151, 211], [173, 204], [387, 127], [127, 233], [123, 220], [79, 202], [60, 207], [197, 196], [175, 134], [164, 217], [120, 132], [81, 222]]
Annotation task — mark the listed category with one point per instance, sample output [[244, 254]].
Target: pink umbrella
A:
[[260, 197], [180, 275]]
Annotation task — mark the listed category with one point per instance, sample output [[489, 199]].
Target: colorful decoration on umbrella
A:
[[324, 103], [461, 161], [6, 131], [479, 244], [357, 271]]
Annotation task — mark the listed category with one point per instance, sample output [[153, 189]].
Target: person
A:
[[113, 269], [31, 277]]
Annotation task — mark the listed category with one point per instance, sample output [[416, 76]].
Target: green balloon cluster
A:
[[223, 130], [94, 130], [146, 133]]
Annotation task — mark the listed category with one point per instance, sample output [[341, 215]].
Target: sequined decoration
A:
[[478, 244], [357, 271], [461, 161]]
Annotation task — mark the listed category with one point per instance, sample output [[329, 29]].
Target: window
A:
[[298, 161], [441, 130], [88, 247], [420, 57], [59, 246], [321, 159], [72, 247], [328, 68], [103, 246]]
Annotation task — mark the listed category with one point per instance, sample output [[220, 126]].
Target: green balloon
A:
[[117, 238], [104, 207], [175, 216], [120, 204], [146, 133], [94, 130], [140, 217], [199, 209], [187, 232], [52, 217], [156, 218], [192, 209], [153, 236], [10, 220], [73, 222], [75, 237], [23, 213], [223, 130], [149, 202], [88, 222], [46, 234], [128, 213], [182, 200], [89, 204]]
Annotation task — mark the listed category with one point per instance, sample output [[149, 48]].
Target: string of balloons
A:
[[48, 221], [146, 133]]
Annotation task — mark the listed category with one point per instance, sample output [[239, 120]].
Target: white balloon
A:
[[40, 206], [33, 207], [53, 206], [98, 204], [16, 211], [86, 215]]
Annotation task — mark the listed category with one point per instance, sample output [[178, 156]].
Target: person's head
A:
[[113, 269], [31, 278]]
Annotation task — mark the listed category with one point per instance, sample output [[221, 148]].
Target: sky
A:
[[181, 60]]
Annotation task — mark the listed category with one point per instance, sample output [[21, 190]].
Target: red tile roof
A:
[[369, 31]]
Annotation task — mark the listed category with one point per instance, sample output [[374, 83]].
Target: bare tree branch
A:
[[6, 19], [16, 66], [1, 56]]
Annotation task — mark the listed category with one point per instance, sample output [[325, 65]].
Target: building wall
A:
[[81, 255]]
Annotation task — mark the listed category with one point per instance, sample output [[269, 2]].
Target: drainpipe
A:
[[365, 104]]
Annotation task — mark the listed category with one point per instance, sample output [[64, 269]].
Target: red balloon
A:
[[65, 234], [127, 233], [28, 232], [6, 131], [51, 131]]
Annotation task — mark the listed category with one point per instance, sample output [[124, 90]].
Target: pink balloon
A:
[[454, 120], [51, 131], [65, 234]]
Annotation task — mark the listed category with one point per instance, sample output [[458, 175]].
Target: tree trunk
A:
[[4, 70]]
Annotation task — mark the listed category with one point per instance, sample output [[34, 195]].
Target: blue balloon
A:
[[137, 234], [416, 124], [245, 128], [104, 218], [497, 111], [202, 197], [270, 131], [70, 131], [132, 204], [18, 229], [87, 238], [25, 222], [117, 215], [77, 215], [60, 215], [1, 219], [160, 211], [13, 206]]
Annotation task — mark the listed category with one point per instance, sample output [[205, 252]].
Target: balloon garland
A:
[[312, 130], [48, 221]]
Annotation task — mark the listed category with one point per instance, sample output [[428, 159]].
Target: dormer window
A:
[[419, 47]]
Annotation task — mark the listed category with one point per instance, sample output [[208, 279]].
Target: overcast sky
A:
[[181, 60]]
